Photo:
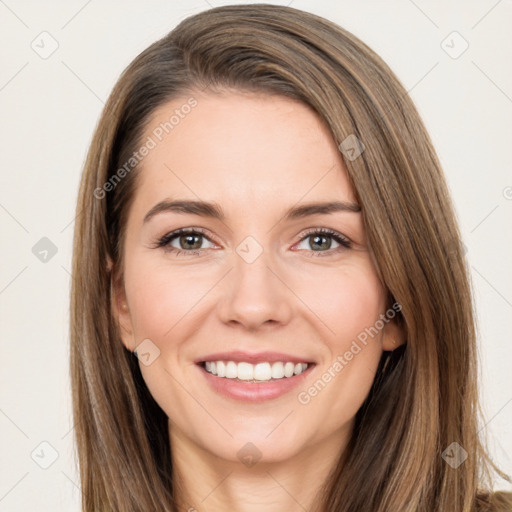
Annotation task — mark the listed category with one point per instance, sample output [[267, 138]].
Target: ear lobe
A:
[[393, 336], [120, 311]]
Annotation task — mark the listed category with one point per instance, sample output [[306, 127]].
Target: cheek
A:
[[164, 301], [163, 298], [346, 300], [349, 307]]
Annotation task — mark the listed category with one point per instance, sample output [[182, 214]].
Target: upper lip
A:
[[260, 357]]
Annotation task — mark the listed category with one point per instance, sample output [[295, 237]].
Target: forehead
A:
[[243, 150]]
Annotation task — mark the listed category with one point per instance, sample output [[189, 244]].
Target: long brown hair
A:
[[425, 400]]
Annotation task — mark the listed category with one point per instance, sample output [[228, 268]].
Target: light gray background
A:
[[49, 108]]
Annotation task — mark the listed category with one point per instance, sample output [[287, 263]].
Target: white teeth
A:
[[288, 369], [299, 368], [262, 371], [221, 368], [278, 370], [259, 372], [245, 371], [231, 370]]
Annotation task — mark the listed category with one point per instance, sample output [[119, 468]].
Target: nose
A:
[[255, 295]]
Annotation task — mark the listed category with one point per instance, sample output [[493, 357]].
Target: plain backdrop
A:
[[453, 58]]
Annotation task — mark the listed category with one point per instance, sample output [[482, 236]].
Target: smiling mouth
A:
[[255, 373]]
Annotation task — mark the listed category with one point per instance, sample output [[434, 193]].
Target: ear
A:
[[393, 336], [120, 310]]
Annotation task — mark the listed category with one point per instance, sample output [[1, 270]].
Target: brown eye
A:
[[321, 241], [183, 241], [190, 241]]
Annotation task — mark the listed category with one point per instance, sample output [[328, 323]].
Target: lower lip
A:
[[255, 391]]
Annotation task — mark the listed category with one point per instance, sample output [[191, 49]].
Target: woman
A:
[[270, 306]]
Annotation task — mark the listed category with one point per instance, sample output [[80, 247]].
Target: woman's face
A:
[[254, 278]]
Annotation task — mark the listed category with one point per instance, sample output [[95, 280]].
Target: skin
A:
[[255, 156]]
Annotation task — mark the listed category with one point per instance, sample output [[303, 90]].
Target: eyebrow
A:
[[213, 210]]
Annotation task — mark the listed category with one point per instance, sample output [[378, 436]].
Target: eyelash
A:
[[164, 242]]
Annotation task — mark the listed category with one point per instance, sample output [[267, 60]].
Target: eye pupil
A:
[[195, 240], [317, 241]]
